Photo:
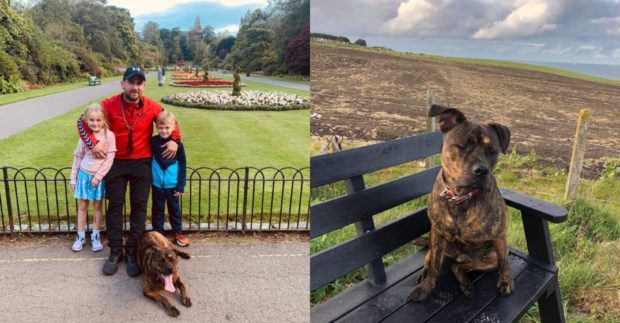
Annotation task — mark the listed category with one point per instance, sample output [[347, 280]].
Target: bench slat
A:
[[351, 298], [341, 259], [371, 201], [330, 168], [446, 294], [529, 287]]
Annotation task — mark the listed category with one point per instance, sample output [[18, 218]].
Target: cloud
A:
[[534, 45], [231, 29], [415, 13], [530, 18], [616, 53], [142, 7], [611, 25]]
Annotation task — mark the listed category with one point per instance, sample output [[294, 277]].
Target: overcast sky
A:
[[220, 14], [573, 31]]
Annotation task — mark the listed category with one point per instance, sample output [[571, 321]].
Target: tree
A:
[[208, 35], [150, 33], [253, 42], [298, 52], [286, 20], [237, 83], [224, 47], [205, 67], [360, 42]]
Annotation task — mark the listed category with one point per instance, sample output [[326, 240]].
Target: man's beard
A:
[[130, 99]]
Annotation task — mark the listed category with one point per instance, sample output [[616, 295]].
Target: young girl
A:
[[87, 175]]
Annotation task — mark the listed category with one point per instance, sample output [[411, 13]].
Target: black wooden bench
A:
[[382, 296], [93, 81]]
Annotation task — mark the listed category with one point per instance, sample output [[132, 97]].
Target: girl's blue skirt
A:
[[85, 191]]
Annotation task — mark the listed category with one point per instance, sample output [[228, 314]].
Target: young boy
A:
[[168, 179]]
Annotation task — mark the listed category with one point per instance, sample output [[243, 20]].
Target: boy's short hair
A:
[[165, 117]]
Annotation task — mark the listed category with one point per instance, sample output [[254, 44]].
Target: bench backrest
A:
[[362, 203]]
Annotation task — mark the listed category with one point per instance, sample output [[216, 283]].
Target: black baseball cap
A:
[[134, 70]]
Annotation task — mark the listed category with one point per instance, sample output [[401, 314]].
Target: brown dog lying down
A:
[[157, 259], [466, 210]]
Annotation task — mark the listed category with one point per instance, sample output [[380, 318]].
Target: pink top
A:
[[85, 160]]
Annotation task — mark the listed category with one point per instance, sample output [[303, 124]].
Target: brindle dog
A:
[[466, 210], [157, 259]]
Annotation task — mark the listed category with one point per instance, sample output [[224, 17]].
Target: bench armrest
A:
[[533, 206]]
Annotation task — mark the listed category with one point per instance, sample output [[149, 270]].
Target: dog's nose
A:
[[481, 170]]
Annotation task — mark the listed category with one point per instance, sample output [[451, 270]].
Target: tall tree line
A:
[[275, 40], [52, 41]]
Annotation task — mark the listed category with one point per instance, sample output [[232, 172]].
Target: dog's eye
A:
[[461, 147]]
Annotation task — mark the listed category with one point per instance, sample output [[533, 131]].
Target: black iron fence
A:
[[221, 199]]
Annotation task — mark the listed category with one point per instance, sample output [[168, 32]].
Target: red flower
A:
[[203, 83]]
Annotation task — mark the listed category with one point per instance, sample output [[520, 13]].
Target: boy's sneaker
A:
[[78, 244], [96, 242], [181, 239]]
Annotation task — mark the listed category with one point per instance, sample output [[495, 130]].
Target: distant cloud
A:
[[535, 45], [143, 7], [233, 29], [611, 25], [415, 14], [530, 18]]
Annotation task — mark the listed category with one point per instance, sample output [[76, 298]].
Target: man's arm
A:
[[89, 139]]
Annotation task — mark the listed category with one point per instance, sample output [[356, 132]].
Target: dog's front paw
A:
[[419, 293], [186, 301], [506, 287], [173, 311]]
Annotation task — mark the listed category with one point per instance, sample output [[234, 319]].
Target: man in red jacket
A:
[[130, 116]]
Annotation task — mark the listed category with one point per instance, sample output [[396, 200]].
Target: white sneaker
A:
[[78, 244], [96, 242]]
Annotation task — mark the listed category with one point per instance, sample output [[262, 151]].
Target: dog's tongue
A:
[[168, 283]]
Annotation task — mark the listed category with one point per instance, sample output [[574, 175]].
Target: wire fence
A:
[[216, 199]]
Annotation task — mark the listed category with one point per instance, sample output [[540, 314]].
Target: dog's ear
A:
[[448, 117], [503, 133]]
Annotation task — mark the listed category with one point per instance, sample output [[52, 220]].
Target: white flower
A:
[[247, 98]]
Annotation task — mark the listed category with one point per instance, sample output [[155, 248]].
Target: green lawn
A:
[[211, 138]]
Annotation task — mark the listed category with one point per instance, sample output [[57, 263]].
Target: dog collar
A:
[[453, 196]]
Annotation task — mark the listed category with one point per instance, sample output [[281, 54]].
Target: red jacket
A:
[[146, 111]]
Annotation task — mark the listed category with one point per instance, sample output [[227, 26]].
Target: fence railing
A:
[[222, 199]]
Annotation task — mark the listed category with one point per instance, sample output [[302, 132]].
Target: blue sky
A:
[[570, 31], [221, 15]]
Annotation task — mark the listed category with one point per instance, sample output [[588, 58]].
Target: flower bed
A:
[[249, 100], [206, 84]]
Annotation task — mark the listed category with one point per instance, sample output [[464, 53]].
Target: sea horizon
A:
[[607, 71]]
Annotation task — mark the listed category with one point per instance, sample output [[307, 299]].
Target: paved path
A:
[[292, 85], [238, 279], [19, 116]]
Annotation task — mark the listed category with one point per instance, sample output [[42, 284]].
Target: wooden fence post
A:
[[375, 273], [579, 148], [430, 124]]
